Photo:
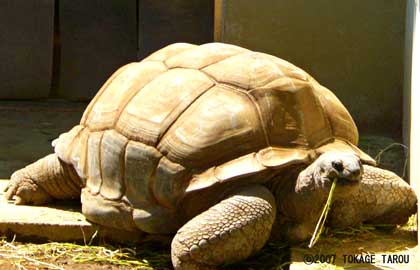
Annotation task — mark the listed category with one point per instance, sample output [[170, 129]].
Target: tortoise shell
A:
[[189, 117]]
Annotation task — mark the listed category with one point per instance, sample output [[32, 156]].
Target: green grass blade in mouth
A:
[[321, 221]]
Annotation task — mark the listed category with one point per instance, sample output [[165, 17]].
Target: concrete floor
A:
[[27, 129], [58, 221]]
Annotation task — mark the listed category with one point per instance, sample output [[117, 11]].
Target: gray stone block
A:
[[26, 47], [354, 47], [58, 221], [96, 38]]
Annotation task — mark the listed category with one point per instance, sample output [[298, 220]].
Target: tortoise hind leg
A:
[[40, 182], [229, 231]]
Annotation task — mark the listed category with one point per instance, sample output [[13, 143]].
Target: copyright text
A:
[[358, 258]]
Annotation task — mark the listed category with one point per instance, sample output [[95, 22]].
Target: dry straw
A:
[[321, 221]]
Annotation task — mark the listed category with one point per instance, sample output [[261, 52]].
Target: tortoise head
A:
[[346, 167]]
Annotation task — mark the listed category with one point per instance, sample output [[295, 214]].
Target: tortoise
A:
[[222, 147]]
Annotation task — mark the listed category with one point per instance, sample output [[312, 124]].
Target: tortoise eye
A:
[[338, 165]]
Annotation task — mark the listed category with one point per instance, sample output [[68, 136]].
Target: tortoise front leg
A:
[[381, 197], [40, 182], [229, 231]]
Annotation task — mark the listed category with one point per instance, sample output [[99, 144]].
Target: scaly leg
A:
[[229, 231], [382, 197], [40, 182]]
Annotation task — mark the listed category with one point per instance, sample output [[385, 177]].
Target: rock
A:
[[55, 222]]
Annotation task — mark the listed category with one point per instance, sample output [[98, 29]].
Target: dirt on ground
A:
[[155, 253]]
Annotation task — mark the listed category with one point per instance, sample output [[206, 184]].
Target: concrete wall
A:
[[66, 49], [408, 53], [96, 38], [354, 47], [26, 35], [415, 104], [165, 22]]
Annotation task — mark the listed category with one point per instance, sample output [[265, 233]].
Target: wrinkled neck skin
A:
[[300, 200], [301, 195]]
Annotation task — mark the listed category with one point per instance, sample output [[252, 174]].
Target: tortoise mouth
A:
[[346, 182]]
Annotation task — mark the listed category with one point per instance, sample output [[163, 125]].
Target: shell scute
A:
[[204, 55], [221, 125], [169, 182], [294, 116], [255, 167], [247, 71], [244, 165], [156, 106], [287, 69], [141, 161], [341, 122], [110, 102], [94, 180], [168, 51], [273, 157], [112, 150], [79, 153]]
